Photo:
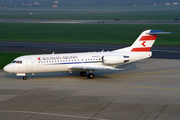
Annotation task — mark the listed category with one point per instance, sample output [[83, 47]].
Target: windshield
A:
[[18, 61]]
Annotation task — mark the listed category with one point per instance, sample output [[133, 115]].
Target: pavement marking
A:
[[59, 115]]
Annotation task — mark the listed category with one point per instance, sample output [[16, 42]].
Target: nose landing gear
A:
[[22, 74], [24, 78]]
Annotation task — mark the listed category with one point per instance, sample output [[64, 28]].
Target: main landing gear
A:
[[90, 75]]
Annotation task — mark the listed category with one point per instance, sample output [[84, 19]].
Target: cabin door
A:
[[29, 64]]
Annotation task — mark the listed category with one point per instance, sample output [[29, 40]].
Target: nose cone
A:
[[7, 68]]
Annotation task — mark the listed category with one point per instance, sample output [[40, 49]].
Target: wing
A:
[[93, 68]]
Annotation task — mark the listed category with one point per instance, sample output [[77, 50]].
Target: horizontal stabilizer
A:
[[157, 32]]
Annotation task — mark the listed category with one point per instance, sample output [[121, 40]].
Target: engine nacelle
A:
[[112, 59]]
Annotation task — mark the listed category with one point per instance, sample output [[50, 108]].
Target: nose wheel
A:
[[24, 78]]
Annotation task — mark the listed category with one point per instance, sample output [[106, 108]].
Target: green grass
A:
[[85, 33], [7, 57]]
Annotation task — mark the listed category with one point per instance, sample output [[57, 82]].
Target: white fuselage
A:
[[63, 62]]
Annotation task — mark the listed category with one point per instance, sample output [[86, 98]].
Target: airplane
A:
[[83, 62]]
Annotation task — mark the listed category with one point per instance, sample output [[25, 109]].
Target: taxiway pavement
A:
[[145, 90]]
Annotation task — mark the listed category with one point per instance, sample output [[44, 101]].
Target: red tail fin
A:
[[146, 40]]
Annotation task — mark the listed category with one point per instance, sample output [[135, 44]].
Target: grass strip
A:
[[86, 33]]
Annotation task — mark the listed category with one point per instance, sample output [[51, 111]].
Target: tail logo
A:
[[144, 44], [145, 41]]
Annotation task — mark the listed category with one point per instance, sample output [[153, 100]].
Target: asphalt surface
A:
[[166, 52], [145, 90]]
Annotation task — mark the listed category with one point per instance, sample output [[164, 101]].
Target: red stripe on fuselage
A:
[[151, 37], [145, 49]]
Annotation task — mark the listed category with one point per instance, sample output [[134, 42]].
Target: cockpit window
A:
[[13, 61], [18, 61]]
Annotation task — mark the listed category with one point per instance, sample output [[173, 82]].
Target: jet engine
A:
[[112, 59]]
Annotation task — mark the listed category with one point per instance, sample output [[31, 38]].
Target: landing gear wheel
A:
[[83, 73], [90, 75], [24, 78]]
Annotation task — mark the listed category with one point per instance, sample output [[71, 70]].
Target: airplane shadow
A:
[[76, 74]]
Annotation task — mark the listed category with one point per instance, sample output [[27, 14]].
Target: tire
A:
[[24, 78], [90, 75], [83, 73]]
